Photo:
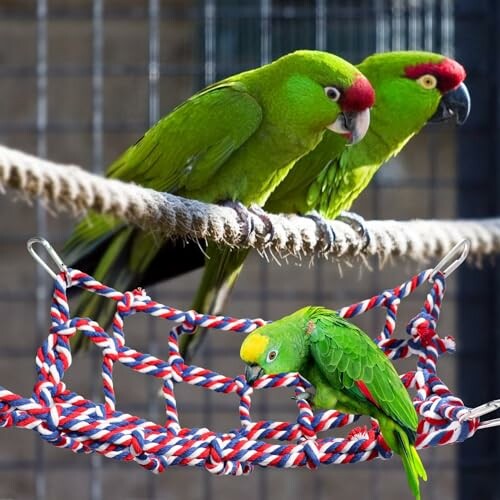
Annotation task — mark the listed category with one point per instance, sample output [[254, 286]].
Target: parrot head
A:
[[418, 87], [278, 347], [322, 91]]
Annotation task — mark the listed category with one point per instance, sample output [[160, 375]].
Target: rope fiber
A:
[[68, 188]]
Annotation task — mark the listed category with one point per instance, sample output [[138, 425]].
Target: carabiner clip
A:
[[61, 266], [451, 261], [479, 411]]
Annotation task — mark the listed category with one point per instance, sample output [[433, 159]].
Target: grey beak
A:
[[252, 373], [455, 104], [352, 125]]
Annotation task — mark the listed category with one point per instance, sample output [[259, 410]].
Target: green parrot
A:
[[347, 370], [232, 142], [411, 89]]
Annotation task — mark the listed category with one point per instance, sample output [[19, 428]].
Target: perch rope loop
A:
[[68, 420], [68, 188]]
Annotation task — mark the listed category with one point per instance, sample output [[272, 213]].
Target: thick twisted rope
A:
[[67, 420], [69, 188]]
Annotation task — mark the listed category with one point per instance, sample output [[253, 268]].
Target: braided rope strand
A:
[[67, 420], [72, 189]]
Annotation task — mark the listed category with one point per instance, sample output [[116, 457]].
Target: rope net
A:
[[68, 420]]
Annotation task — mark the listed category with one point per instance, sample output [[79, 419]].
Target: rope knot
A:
[[53, 418], [110, 352], [137, 443], [216, 464], [45, 391], [423, 329], [124, 305], [312, 454], [305, 422], [390, 299], [362, 432], [140, 293], [188, 327], [6, 420]]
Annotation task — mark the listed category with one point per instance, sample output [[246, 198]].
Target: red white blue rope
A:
[[68, 420]]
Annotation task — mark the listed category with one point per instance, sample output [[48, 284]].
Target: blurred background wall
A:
[[80, 80]]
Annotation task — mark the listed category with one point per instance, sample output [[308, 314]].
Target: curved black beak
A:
[[454, 104], [252, 373]]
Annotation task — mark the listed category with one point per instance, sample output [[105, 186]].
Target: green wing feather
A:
[[301, 189], [330, 177], [344, 352], [183, 151]]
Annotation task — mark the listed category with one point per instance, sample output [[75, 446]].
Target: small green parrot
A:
[[347, 370], [232, 142], [411, 89]]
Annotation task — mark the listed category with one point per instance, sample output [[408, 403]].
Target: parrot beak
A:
[[453, 104], [252, 373], [353, 125]]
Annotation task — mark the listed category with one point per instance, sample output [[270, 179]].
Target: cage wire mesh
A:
[[80, 81]]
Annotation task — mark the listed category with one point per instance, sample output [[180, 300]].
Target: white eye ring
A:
[[332, 93], [272, 355]]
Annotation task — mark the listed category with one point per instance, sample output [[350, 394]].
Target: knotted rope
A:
[[68, 420], [69, 188]]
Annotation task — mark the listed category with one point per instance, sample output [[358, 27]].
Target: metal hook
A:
[[61, 266], [479, 411], [451, 260]]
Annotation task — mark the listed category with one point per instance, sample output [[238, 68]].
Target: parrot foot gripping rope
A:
[[68, 420]]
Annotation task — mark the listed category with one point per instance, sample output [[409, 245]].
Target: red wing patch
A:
[[366, 392]]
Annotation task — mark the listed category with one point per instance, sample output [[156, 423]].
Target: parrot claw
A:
[[304, 396], [264, 217], [358, 223], [247, 223], [325, 227], [247, 226]]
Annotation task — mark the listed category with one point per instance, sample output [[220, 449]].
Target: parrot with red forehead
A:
[[233, 142], [412, 88]]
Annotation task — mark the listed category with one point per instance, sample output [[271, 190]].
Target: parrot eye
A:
[[427, 81], [332, 93], [271, 355]]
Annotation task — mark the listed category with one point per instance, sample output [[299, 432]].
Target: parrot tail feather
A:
[[221, 272], [411, 462], [121, 265]]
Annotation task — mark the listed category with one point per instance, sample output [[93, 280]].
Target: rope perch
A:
[[68, 188]]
